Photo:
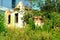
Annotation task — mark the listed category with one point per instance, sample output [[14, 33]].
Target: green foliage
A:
[[47, 25], [55, 18], [55, 33], [2, 22], [31, 23], [27, 16]]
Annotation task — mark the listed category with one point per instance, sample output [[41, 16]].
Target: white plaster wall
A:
[[20, 21]]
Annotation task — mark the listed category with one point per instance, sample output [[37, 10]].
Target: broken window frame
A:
[[16, 17], [9, 19]]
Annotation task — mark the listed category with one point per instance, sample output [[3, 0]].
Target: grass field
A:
[[29, 34]]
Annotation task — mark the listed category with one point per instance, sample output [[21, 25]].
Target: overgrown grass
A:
[[29, 34]]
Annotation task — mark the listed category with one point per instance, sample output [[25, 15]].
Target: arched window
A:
[[9, 18]]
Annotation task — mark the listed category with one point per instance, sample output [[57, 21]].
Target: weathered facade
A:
[[15, 18]]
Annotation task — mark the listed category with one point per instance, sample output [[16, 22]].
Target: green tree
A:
[[58, 5], [50, 5]]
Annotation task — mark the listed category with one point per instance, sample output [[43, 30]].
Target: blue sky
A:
[[26, 2]]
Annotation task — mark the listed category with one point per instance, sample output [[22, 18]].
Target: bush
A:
[[31, 23], [47, 25], [55, 17], [2, 22]]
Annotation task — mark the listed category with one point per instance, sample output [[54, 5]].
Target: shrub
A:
[[31, 23]]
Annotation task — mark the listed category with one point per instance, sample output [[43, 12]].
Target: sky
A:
[[26, 2]]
